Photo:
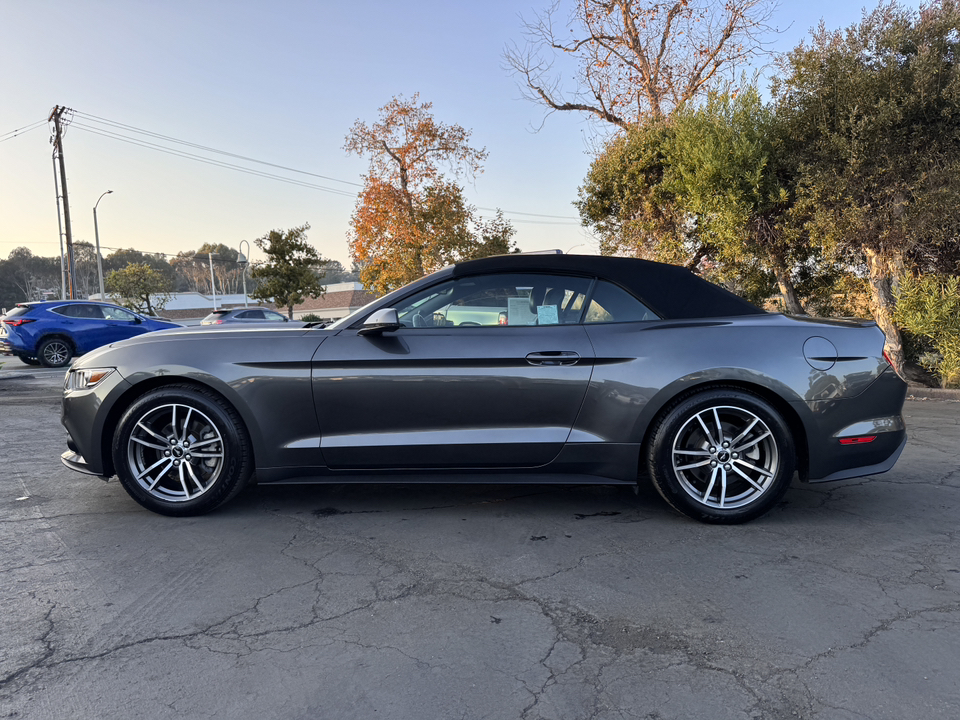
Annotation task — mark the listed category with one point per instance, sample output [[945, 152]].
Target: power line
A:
[[110, 129], [207, 161], [20, 131], [131, 128]]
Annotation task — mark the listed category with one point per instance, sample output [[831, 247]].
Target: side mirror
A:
[[384, 320]]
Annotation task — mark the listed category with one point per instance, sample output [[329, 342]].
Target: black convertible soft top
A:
[[671, 291]]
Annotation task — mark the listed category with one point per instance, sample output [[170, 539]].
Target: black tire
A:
[[54, 352], [715, 483], [153, 457]]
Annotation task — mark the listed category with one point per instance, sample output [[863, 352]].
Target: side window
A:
[[115, 313], [611, 304], [251, 315], [274, 317], [507, 299], [85, 312]]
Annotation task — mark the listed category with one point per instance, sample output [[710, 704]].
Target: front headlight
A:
[[86, 378]]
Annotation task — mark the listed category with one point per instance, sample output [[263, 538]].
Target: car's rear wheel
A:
[[182, 450], [722, 456], [54, 352]]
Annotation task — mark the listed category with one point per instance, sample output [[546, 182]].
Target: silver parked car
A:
[[511, 369], [243, 315]]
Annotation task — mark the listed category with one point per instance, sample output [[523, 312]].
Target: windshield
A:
[[387, 299]]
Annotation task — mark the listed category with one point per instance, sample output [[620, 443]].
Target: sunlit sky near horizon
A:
[[282, 82]]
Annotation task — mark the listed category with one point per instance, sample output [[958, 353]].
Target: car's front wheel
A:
[[722, 456], [54, 352], [182, 450]]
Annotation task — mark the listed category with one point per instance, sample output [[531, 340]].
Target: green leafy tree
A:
[[929, 305], [872, 115], [292, 271], [726, 173], [119, 259], [704, 189], [139, 287], [625, 201], [29, 277], [410, 219], [192, 269]]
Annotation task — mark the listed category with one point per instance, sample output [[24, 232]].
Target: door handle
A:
[[553, 357]]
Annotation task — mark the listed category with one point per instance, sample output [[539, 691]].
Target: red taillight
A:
[[218, 321], [887, 358], [863, 440], [19, 321]]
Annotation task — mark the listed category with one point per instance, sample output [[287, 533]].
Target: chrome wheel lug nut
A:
[[713, 449], [166, 453], [188, 457], [727, 466], [726, 444], [186, 444], [713, 463], [735, 455], [176, 463]]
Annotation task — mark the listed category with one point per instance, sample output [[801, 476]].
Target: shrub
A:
[[310, 317], [929, 306]]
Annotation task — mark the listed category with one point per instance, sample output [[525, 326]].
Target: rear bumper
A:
[[880, 467], [877, 413]]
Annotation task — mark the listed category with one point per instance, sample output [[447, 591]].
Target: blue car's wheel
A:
[[54, 352]]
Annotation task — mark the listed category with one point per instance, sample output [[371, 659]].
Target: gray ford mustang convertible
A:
[[511, 369]]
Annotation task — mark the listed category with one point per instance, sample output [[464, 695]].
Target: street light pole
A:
[[96, 232], [243, 260], [213, 285]]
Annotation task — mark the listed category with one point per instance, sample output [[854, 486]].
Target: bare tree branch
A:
[[638, 58]]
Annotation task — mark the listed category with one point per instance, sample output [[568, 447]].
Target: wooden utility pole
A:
[[56, 117]]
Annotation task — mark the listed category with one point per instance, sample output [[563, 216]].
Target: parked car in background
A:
[[510, 369], [52, 333], [243, 315]]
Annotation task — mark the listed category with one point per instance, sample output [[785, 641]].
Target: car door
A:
[[485, 372], [119, 324]]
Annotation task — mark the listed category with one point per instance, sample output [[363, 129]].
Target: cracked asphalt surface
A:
[[475, 602]]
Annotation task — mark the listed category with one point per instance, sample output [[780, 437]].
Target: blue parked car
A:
[[52, 333]]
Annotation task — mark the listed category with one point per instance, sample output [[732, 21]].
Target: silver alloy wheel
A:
[[725, 457], [56, 352], [175, 453]]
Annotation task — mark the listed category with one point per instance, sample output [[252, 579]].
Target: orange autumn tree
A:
[[410, 219]]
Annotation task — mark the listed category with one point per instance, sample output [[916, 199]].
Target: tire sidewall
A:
[[661, 450], [237, 462]]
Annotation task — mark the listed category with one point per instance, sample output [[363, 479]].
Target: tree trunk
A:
[[883, 303], [791, 301]]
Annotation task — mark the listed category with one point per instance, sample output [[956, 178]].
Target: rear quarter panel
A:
[[642, 367]]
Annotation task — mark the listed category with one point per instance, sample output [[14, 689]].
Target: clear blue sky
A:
[[280, 81]]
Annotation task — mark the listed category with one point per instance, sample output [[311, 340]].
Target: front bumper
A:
[[86, 416], [76, 462]]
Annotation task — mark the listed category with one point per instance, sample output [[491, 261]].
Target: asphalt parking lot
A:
[[475, 602]]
